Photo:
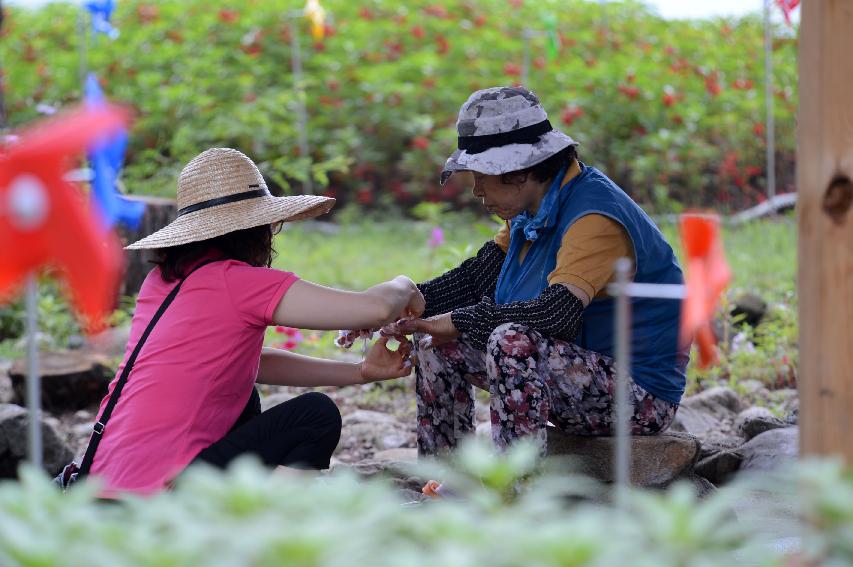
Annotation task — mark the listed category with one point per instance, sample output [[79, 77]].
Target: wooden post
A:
[[824, 173]]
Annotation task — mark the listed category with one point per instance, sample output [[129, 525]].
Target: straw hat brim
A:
[[222, 219]]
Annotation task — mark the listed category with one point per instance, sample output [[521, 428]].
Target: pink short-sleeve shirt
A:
[[194, 373]]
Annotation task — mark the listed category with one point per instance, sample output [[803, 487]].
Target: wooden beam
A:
[[825, 250]]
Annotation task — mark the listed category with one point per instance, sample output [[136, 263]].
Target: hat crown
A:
[[498, 110], [216, 173]]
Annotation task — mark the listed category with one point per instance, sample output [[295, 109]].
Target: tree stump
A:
[[158, 213]]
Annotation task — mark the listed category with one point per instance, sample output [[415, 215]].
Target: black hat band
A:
[[527, 135], [225, 200]]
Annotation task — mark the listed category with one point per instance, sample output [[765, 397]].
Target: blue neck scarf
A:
[[547, 213]]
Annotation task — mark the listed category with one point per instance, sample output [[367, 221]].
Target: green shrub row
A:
[[673, 110], [508, 515]]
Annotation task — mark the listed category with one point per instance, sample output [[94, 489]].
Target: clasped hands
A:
[[382, 363]]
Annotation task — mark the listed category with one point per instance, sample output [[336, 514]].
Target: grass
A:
[[361, 251]]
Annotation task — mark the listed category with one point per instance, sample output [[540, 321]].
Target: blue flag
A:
[[102, 11], [106, 159]]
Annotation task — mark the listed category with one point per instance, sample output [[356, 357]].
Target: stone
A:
[[656, 460], [70, 380], [793, 418], [369, 416], [709, 413], [392, 441], [720, 467], [749, 309], [14, 425], [756, 420], [7, 393], [403, 454], [770, 450]]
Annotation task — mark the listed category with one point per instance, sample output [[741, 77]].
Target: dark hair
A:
[[250, 245], [544, 170]]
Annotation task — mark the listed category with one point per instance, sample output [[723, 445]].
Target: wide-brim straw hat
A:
[[220, 191], [501, 130]]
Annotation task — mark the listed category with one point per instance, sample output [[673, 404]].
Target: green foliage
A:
[[248, 516], [672, 110]]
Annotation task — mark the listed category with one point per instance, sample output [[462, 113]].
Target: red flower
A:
[[252, 49], [570, 113], [591, 62], [333, 84], [753, 170], [228, 16], [758, 129], [319, 46], [516, 3], [443, 46], [512, 70], [147, 13], [429, 82], [631, 92], [418, 32], [365, 13], [669, 99], [742, 84], [678, 119], [364, 196], [420, 142], [712, 86], [539, 62], [436, 10], [480, 20]]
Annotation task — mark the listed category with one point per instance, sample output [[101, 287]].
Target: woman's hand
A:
[[382, 363], [440, 328], [416, 305]]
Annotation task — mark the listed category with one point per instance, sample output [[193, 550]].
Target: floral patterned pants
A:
[[531, 380]]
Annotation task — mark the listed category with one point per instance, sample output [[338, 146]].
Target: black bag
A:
[[73, 472]]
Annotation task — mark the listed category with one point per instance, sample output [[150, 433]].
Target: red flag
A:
[[787, 6], [43, 218], [708, 275]]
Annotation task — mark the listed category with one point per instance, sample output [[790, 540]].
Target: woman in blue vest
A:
[[528, 318]]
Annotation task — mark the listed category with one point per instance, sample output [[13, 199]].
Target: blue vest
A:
[[657, 363]]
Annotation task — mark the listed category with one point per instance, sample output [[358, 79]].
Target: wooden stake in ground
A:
[[824, 173]]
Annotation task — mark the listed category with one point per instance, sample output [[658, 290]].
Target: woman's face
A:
[[506, 200]]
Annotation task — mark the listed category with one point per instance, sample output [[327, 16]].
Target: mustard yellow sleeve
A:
[[588, 251], [502, 238]]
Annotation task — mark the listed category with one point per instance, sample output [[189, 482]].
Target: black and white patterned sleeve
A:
[[557, 313], [466, 284]]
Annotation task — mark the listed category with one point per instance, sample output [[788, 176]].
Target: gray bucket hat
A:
[[503, 129]]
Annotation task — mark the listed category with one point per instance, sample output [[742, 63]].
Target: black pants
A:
[[299, 433]]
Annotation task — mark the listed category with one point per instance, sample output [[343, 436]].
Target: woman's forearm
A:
[[396, 295], [285, 368]]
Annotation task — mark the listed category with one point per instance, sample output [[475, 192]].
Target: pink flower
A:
[[436, 238]]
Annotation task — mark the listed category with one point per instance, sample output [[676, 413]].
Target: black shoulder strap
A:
[[98, 433]]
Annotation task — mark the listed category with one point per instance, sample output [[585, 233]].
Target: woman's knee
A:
[[323, 409], [512, 335]]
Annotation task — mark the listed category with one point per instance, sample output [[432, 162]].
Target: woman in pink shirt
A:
[[190, 395]]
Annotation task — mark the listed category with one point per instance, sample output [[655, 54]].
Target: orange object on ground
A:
[[708, 275], [43, 217], [432, 489]]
